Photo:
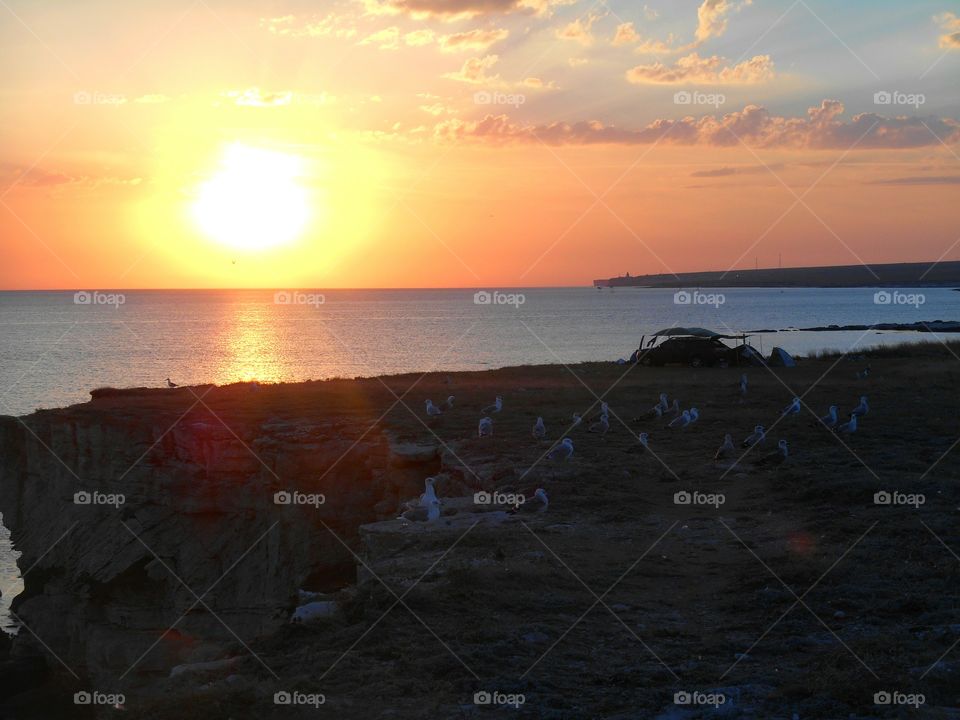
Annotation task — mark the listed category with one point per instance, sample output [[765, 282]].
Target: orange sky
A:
[[392, 143]]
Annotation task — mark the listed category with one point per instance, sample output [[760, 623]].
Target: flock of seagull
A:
[[427, 507]]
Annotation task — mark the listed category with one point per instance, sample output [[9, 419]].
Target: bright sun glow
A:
[[254, 201]]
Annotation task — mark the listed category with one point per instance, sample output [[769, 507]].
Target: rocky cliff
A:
[[159, 529]]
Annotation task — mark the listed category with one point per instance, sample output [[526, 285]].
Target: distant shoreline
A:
[[931, 274]]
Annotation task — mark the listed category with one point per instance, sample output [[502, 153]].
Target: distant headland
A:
[[926, 274]]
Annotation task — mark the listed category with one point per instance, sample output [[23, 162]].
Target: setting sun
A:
[[254, 200]]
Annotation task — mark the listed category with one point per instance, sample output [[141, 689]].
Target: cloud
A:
[[254, 97], [332, 25], [538, 84], [708, 70], [580, 30], [626, 34], [728, 171], [920, 180], [474, 71], [577, 61], [417, 38], [386, 39], [36, 177], [472, 39], [950, 23], [712, 17], [457, 9], [821, 129]]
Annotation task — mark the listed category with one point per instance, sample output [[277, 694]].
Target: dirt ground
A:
[[797, 597]]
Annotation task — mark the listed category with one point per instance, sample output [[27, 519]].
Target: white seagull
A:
[[694, 414], [576, 420], [848, 427], [755, 437], [644, 439], [450, 402], [862, 408], [793, 408], [777, 456], [724, 449], [429, 513], [433, 410], [170, 383], [563, 451], [429, 494], [863, 374], [830, 419], [496, 407], [537, 504], [663, 404], [539, 429], [485, 428], [602, 425], [682, 421]]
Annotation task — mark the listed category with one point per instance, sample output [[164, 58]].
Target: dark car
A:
[[694, 351]]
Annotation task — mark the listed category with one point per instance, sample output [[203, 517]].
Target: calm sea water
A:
[[53, 351]]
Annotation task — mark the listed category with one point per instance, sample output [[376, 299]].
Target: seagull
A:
[[602, 425], [576, 420], [429, 513], [563, 451], [450, 402], [830, 419], [539, 429], [663, 404], [682, 421], [496, 407], [644, 438], [694, 415], [657, 410], [862, 408], [793, 408], [755, 437], [433, 410], [675, 408], [429, 494], [537, 504], [848, 427], [863, 374], [777, 456], [170, 383], [743, 384], [724, 449], [486, 427]]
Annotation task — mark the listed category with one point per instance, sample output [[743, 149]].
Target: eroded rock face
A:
[[186, 548]]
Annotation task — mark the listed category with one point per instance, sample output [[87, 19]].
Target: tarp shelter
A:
[[781, 358]]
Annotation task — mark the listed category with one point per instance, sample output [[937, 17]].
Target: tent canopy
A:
[[695, 332]]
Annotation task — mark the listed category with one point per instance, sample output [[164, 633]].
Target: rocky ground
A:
[[797, 596]]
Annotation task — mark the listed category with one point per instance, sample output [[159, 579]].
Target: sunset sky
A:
[[474, 143]]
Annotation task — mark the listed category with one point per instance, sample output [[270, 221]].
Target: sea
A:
[[57, 346]]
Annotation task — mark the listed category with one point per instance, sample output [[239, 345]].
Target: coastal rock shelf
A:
[[183, 548]]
